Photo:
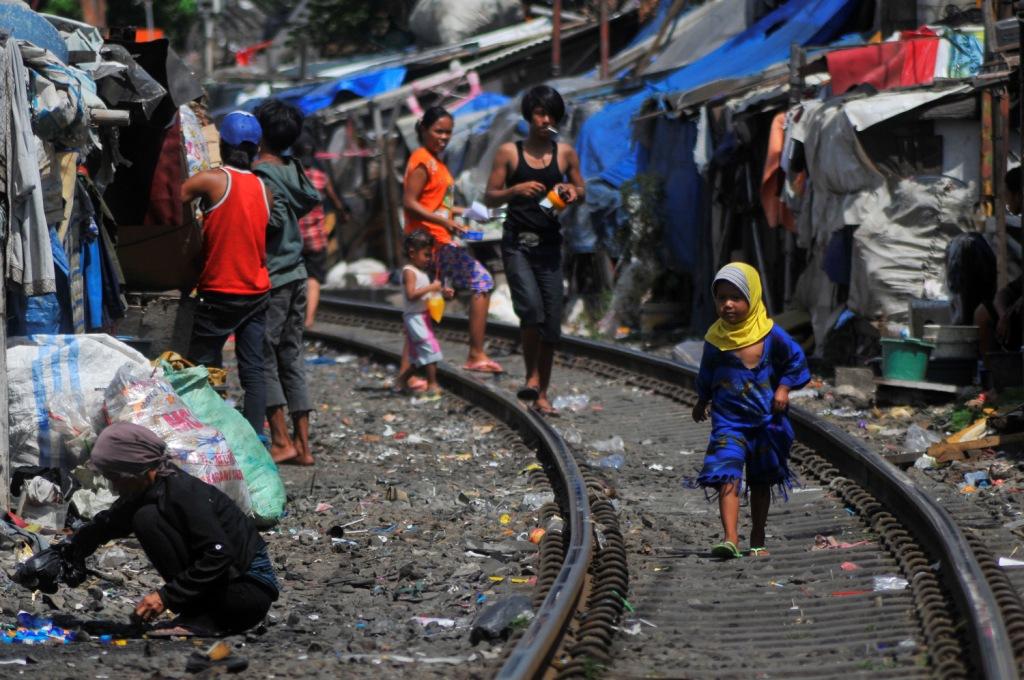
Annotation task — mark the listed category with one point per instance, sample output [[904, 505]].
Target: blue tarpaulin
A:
[[365, 85], [481, 102], [25, 24], [316, 96], [604, 144]]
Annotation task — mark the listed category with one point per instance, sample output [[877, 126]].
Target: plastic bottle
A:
[[556, 201], [612, 462]]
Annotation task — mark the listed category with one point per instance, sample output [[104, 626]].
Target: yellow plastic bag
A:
[[435, 307]]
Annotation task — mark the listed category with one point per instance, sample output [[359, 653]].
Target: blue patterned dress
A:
[[743, 428]]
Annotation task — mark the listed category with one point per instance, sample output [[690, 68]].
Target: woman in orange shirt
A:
[[428, 200]]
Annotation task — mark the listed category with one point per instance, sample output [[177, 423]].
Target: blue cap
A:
[[239, 126]]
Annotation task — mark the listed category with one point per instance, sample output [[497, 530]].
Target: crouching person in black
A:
[[217, 573]]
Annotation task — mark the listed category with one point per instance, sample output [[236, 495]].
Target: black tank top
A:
[[525, 213]]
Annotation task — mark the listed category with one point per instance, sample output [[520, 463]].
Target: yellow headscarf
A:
[[756, 325]]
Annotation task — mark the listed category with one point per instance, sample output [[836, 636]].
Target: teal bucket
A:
[[905, 358]]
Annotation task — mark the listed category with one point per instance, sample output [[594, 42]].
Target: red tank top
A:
[[235, 238]]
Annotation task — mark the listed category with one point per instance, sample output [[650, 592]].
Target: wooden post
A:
[[1001, 124], [797, 61], [385, 170], [604, 40]]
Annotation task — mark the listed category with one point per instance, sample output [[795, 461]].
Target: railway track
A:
[[627, 586]]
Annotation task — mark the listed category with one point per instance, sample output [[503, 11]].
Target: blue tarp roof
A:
[[315, 96], [605, 147], [481, 102]]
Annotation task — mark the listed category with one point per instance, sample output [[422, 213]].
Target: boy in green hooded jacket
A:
[[294, 196]]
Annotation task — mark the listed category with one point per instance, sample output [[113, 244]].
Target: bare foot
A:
[[306, 460], [283, 453]]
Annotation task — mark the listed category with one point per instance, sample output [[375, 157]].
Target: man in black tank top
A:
[[530, 177]]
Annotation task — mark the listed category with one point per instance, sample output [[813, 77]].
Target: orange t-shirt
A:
[[435, 197]]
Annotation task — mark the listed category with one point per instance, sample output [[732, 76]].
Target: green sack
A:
[[265, 486]]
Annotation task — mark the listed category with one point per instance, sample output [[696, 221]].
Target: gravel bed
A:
[[437, 513]]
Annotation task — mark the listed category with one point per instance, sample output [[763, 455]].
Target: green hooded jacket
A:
[[294, 196]]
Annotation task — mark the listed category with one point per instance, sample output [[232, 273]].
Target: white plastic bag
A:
[[200, 450], [69, 414], [446, 22], [43, 366]]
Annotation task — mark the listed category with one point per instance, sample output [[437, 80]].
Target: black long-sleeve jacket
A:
[[221, 541]]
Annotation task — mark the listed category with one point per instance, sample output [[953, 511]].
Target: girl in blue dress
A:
[[748, 367]]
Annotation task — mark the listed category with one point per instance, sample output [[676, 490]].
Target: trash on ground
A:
[[849, 566], [495, 620], [612, 462], [217, 657], [888, 583], [532, 501], [427, 620], [919, 439], [1010, 562], [571, 402], [978, 479], [33, 630], [822, 542], [611, 445]]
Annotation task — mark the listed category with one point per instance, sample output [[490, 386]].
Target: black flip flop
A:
[[528, 393]]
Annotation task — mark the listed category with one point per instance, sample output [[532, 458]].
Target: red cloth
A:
[[312, 223], [909, 61], [235, 238]]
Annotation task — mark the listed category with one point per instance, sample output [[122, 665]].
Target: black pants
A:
[[534, 277], [217, 316], [238, 606]]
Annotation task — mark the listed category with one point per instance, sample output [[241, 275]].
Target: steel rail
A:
[[540, 640], [991, 649]]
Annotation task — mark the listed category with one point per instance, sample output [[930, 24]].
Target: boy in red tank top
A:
[[234, 285]]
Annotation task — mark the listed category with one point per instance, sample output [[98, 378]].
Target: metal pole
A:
[[384, 159], [149, 16], [604, 40], [556, 39], [208, 47]]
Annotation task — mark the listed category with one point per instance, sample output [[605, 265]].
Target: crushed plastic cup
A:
[[612, 462], [532, 501], [612, 445], [919, 439], [571, 402], [435, 307]]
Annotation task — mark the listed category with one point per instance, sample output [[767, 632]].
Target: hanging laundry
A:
[[902, 63], [29, 259], [776, 212]]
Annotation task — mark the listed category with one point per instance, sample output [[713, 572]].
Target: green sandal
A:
[[726, 550]]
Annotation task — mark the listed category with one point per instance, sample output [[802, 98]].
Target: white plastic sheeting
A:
[[899, 250], [444, 22]]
